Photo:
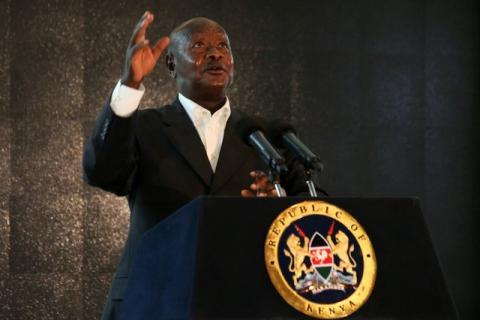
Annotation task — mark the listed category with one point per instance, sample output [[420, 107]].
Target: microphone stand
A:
[[311, 167], [275, 179], [310, 184]]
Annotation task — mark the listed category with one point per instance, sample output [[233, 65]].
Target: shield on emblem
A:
[[321, 256]]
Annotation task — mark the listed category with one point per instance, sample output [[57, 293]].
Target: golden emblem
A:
[[320, 260], [297, 254]]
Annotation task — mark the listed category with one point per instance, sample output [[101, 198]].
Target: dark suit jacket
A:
[[157, 159]]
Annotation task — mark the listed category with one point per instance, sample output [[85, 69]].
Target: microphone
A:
[[252, 134], [283, 134]]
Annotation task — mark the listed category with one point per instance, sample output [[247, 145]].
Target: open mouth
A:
[[215, 70]]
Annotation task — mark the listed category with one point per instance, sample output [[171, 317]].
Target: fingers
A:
[[247, 193], [273, 193], [138, 36], [261, 182], [139, 46], [261, 186], [257, 174], [141, 28], [159, 47], [259, 177]]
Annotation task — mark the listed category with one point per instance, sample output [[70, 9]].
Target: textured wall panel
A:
[[46, 64], [45, 296], [451, 103], [5, 297], [451, 143], [5, 189], [106, 226], [452, 27], [330, 89], [46, 233], [5, 162], [46, 157], [4, 243], [393, 96], [252, 25], [5, 57], [260, 79], [95, 290], [375, 90], [359, 161], [5, 146], [393, 27], [452, 208], [297, 112]]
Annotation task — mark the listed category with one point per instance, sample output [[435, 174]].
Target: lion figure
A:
[[297, 254], [343, 250]]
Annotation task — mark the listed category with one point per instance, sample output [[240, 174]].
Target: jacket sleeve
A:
[[110, 156]]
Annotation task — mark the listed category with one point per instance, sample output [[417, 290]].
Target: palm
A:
[[143, 62]]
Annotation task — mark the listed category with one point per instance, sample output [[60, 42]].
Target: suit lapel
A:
[[233, 154], [181, 131]]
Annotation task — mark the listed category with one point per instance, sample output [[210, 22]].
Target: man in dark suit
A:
[[163, 158]]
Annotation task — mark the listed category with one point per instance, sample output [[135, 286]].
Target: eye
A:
[[197, 44], [223, 45]]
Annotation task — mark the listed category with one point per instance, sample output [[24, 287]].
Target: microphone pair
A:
[[283, 135]]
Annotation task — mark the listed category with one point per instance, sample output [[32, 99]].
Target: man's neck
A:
[[211, 102], [212, 106], [189, 104]]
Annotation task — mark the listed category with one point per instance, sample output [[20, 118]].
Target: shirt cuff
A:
[[125, 100]]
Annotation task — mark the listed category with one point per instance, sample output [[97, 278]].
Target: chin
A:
[[221, 85]]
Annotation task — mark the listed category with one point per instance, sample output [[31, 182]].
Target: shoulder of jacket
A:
[[154, 112]]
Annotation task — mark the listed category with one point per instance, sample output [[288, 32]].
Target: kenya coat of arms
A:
[[320, 260]]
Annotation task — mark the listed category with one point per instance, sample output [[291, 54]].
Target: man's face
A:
[[203, 61]]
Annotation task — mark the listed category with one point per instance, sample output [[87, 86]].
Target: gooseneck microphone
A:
[[252, 133], [283, 134]]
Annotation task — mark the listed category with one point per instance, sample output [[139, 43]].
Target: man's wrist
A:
[[132, 84], [125, 99]]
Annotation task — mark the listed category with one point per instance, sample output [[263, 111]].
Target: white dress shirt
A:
[[210, 127]]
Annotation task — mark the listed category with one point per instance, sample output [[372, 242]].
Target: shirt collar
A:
[[192, 108]]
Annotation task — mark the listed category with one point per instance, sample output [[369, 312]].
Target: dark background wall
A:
[[386, 92]]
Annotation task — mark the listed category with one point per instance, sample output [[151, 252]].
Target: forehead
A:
[[195, 30], [205, 31], [211, 35], [198, 25]]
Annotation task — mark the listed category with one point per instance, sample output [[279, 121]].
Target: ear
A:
[[169, 60]]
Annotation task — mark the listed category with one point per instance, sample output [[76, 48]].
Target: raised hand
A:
[[141, 58], [261, 186]]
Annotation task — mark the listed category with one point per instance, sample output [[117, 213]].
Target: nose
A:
[[214, 53]]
